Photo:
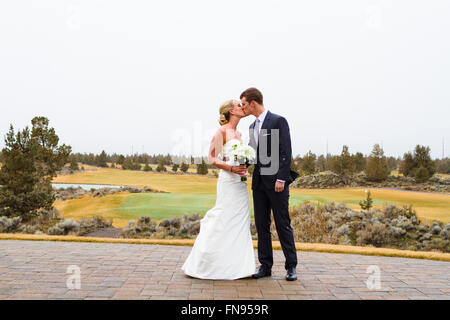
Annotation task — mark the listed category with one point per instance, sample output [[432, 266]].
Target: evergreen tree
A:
[[129, 164], [120, 159], [443, 166], [368, 203], [377, 169], [407, 165], [175, 167], [161, 166], [308, 165], [147, 167], [360, 162], [31, 161], [421, 174], [184, 167], [420, 159], [321, 163], [392, 163], [344, 165], [74, 164], [202, 168], [102, 160]]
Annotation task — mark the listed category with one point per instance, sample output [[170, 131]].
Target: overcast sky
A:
[[113, 74]]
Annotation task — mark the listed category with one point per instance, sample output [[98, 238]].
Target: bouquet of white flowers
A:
[[239, 153]]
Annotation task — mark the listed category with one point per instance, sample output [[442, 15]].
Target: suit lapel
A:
[[264, 125]]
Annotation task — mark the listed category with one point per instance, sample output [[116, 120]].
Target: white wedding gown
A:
[[223, 248]]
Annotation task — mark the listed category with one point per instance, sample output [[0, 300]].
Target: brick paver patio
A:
[[38, 270]]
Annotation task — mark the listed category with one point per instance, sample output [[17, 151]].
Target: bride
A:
[[223, 248]]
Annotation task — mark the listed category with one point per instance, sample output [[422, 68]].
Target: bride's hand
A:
[[240, 170]]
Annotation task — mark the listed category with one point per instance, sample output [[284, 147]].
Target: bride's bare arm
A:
[[214, 150]]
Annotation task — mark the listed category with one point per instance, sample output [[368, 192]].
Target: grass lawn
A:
[[195, 193], [174, 183]]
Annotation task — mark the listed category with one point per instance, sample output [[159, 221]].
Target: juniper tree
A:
[[184, 167], [74, 164], [321, 163], [344, 165], [413, 162], [102, 160], [31, 161], [367, 203], [308, 164], [407, 164], [202, 168], [360, 162], [377, 169], [161, 166]]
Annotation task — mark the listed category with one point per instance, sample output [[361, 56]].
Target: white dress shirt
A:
[[261, 118]]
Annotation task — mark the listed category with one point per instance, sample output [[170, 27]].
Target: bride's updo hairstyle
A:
[[224, 112]]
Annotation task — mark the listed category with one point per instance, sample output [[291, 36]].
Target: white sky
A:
[[115, 73]]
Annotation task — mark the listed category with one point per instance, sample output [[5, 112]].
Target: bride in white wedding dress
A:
[[223, 248]]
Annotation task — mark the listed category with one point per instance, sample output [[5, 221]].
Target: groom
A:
[[270, 182]]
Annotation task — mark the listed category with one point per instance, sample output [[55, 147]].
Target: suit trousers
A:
[[265, 200]]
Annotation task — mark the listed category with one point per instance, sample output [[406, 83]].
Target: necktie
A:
[[257, 131]]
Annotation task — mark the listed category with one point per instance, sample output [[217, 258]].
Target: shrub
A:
[[9, 224], [377, 235], [144, 227], [51, 214], [173, 222], [188, 227], [95, 223], [65, 227], [310, 224]]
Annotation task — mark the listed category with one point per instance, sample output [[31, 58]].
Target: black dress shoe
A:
[[291, 274], [262, 272]]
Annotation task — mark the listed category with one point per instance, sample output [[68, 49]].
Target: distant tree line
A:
[[377, 166]]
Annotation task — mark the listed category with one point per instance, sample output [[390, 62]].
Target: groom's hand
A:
[[240, 170], [279, 186]]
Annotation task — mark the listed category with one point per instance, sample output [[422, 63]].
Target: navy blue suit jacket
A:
[[273, 121]]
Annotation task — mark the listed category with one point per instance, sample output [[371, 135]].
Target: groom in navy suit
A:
[[269, 136]]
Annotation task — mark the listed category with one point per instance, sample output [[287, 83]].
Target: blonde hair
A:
[[224, 112]]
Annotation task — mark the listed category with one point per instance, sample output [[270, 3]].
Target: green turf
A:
[[164, 205]]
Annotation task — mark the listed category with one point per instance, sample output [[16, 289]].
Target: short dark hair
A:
[[252, 94]]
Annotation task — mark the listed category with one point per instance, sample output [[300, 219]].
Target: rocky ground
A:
[[73, 193], [388, 227], [330, 179]]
